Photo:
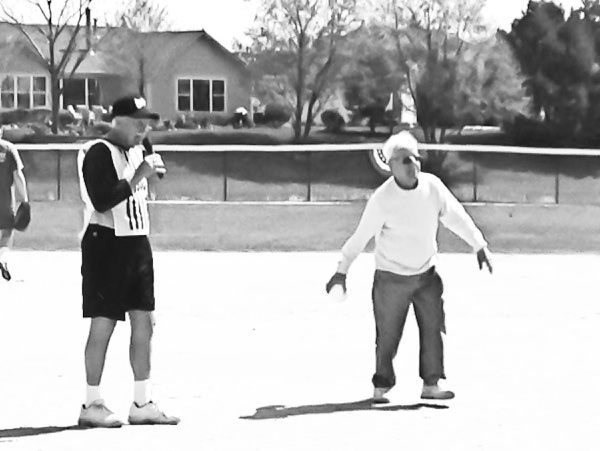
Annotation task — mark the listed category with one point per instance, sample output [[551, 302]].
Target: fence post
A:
[[224, 176], [556, 179], [308, 176], [58, 178], [474, 176]]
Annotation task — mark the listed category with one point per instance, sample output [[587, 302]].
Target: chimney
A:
[[88, 28]]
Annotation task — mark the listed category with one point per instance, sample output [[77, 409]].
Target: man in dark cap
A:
[[117, 265]]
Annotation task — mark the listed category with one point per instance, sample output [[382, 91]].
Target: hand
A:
[[337, 279], [484, 256], [153, 164], [156, 163]]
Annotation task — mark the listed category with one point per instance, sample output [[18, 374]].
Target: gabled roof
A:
[[101, 60], [11, 34], [169, 42]]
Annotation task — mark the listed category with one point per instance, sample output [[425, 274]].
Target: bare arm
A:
[[20, 186]]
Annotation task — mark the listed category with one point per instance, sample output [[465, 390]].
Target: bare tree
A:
[[55, 43], [140, 15], [129, 39], [300, 40], [429, 37]]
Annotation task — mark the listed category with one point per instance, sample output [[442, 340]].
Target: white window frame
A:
[[191, 80], [86, 93], [15, 91]]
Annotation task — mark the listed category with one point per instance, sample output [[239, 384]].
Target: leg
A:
[[144, 410], [101, 303], [101, 330], [140, 346], [429, 310], [5, 244], [94, 413], [140, 307], [391, 301]]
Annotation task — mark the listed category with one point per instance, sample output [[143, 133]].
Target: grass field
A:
[[252, 356], [319, 227]]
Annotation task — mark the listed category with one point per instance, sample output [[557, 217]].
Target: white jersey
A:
[[405, 226], [130, 217]]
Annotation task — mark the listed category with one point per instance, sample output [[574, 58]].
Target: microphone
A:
[[150, 150]]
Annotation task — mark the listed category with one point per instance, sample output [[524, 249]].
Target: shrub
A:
[[65, 118], [221, 120], [332, 120], [185, 122], [526, 132], [98, 129], [259, 118], [199, 137], [21, 115], [277, 114]]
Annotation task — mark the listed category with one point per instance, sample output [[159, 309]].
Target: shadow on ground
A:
[[276, 411], [29, 431]]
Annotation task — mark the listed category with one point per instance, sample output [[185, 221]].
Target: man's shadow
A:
[[29, 431], [277, 411]]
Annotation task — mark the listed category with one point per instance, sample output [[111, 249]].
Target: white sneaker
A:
[[435, 392], [97, 415], [149, 414], [379, 395]]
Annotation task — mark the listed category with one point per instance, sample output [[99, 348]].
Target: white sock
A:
[[142, 391], [92, 393], [3, 252]]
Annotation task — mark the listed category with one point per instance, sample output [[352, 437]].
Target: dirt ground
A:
[[253, 356]]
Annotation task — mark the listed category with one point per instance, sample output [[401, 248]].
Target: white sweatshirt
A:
[[405, 225]]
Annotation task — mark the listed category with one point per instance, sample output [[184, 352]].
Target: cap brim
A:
[[145, 114], [140, 114]]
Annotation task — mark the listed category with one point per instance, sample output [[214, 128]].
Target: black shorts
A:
[[118, 273], [7, 219]]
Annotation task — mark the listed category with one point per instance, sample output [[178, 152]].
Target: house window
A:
[[39, 91], [80, 91], [23, 91], [218, 95], [7, 97], [200, 95], [184, 101]]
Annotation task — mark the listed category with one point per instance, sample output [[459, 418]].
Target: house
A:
[[185, 72], [179, 73]]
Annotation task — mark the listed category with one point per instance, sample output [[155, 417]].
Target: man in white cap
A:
[[117, 264], [403, 215]]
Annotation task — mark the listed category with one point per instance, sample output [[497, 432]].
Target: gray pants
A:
[[392, 297]]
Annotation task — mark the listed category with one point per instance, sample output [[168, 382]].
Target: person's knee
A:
[[142, 324], [101, 330]]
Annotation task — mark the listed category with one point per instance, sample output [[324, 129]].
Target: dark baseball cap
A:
[[132, 107]]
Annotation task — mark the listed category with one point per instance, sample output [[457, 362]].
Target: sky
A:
[[226, 20]]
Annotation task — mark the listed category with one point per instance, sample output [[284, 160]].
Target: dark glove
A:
[[22, 216], [337, 279], [484, 257]]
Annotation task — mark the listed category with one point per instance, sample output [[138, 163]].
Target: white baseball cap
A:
[[402, 140]]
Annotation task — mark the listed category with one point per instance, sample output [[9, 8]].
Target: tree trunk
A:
[[142, 80], [435, 158], [55, 96], [298, 120], [300, 86], [309, 114]]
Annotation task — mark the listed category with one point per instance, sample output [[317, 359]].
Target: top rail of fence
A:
[[472, 148]]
